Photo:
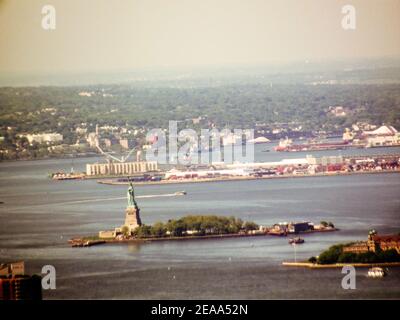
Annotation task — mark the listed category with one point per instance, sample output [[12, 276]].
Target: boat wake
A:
[[175, 194]]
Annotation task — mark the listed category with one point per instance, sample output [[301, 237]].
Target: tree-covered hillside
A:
[[233, 106]]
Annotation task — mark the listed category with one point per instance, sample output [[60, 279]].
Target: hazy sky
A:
[[127, 34]]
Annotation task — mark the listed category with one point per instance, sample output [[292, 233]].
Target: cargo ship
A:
[[288, 146]]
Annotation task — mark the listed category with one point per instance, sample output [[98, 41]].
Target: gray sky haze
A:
[[98, 35]]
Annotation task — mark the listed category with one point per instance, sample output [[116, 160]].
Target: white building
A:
[[383, 140], [92, 139], [80, 130], [382, 131], [44, 137], [85, 94], [259, 140], [337, 111], [118, 168]]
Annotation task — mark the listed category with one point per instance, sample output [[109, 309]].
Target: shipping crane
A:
[[111, 157]]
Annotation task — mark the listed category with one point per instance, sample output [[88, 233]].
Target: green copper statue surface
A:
[[131, 196]]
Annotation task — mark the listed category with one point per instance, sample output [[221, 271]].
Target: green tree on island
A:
[[143, 231], [331, 255], [196, 225], [158, 229]]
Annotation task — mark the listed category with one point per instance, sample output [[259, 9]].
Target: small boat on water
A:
[[61, 175], [376, 272], [77, 243], [67, 176], [296, 240], [180, 193]]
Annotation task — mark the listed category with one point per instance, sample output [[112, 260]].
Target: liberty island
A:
[[192, 227]]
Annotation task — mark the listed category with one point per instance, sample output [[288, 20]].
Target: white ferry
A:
[[376, 272]]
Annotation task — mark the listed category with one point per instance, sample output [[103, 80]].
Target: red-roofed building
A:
[[387, 242], [374, 243]]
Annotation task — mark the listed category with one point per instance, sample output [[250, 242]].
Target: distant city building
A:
[[85, 94], [92, 139], [120, 168], [348, 135], [109, 128], [44, 137], [80, 130], [380, 141], [292, 227], [337, 111], [363, 126], [383, 136], [126, 143], [231, 139], [107, 142], [48, 110], [196, 120]]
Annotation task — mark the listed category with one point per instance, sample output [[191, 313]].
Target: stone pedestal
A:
[[132, 218]]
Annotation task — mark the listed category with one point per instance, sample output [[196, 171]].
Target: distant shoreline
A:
[[65, 156], [244, 178], [339, 265]]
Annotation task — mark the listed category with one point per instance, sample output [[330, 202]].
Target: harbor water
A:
[[38, 216]]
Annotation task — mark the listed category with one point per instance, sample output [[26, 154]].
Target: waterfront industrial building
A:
[[291, 227], [121, 168], [374, 243], [309, 165]]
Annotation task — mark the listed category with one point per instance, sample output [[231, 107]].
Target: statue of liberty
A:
[[131, 196], [132, 216]]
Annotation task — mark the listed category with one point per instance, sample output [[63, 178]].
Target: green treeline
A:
[[195, 225], [240, 105]]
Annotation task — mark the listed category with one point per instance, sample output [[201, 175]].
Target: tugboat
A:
[[296, 240], [376, 272]]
